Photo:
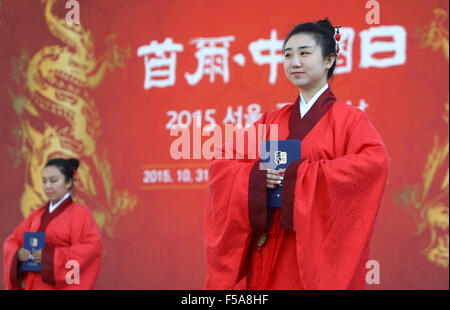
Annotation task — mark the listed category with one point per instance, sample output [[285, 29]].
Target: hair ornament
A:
[[337, 36]]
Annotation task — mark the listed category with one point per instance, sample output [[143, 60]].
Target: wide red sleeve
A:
[[227, 226], [59, 264], [334, 207], [12, 272]]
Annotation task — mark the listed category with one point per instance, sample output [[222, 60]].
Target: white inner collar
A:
[[304, 107], [52, 207]]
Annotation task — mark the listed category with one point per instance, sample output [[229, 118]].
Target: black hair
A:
[[65, 166], [323, 32]]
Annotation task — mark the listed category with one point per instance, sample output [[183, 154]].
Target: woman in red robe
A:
[[319, 237], [72, 254]]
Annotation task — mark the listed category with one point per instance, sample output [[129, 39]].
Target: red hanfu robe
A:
[[319, 238], [71, 234]]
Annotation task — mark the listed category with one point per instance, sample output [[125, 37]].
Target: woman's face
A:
[[54, 183], [304, 64]]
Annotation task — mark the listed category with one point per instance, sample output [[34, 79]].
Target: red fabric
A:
[[268, 269], [338, 189], [71, 234]]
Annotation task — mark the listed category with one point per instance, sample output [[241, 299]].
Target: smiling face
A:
[[54, 183], [304, 64]]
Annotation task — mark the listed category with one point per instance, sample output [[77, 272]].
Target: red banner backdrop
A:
[[108, 90]]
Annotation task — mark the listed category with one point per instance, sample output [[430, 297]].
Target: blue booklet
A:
[[33, 241], [278, 154]]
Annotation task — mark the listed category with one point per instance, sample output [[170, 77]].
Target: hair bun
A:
[[327, 24], [74, 163]]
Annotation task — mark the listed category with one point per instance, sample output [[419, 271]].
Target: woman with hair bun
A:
[[319, 237], [72, 253]]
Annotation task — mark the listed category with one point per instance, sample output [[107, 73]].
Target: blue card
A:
[[278, 154], [33, 241]]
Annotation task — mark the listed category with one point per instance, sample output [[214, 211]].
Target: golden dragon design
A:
[[58, 117], [428, 202]]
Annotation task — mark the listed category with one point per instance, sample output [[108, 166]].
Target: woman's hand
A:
[[274, 178], [37, 256], [23, 255]]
